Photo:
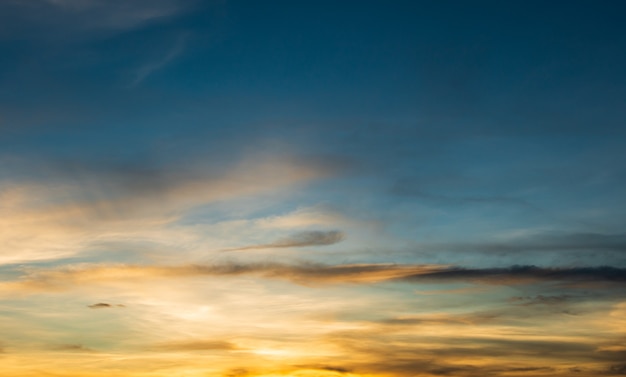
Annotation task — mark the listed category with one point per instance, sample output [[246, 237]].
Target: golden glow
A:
[[176, 304]]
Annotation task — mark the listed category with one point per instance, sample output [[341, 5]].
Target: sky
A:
[[241, 188]]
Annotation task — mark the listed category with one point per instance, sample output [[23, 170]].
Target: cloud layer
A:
[[315, 274]]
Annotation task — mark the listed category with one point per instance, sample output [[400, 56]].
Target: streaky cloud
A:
[[64, 16], [300, 239], [196, 345], [441, 319], [526, 274], [541, 300], [316, 274], [322, 367], [304, 274], [533, 357], [73, 348], [104, 305], [617, 370], [153, 66]]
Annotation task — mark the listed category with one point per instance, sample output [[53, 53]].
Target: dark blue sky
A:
[[448, 121]]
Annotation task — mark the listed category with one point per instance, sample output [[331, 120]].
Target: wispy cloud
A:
[[117, 14], [70, 20], [153, 66], [300, 239], [67, 214]]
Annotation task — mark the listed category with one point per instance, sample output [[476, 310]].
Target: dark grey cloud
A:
[[526, 274], [104, 305], [335, 369], [300, 239]]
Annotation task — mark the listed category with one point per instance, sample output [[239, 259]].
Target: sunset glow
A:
[[194, 188]]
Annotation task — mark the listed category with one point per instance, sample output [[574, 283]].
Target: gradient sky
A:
[[241, 188]]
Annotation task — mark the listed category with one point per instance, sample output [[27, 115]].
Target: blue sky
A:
[[467, 155]]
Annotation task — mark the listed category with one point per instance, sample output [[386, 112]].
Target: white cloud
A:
[[47, 220]]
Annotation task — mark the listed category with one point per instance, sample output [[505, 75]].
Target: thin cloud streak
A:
[[151, 67], [196, 345], [104, 305], [301, 239]]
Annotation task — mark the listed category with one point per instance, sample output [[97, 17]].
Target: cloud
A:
[[62, 209], [121, 189], [457, 353], [311, 217], [441, 319], [300, 239], [330, 368], [617, 370], [196, 345], [541, 300], [104, 305], [62, 17], [526, 274], [72, 348], [149, 68], [314, 274], [304, 274]]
